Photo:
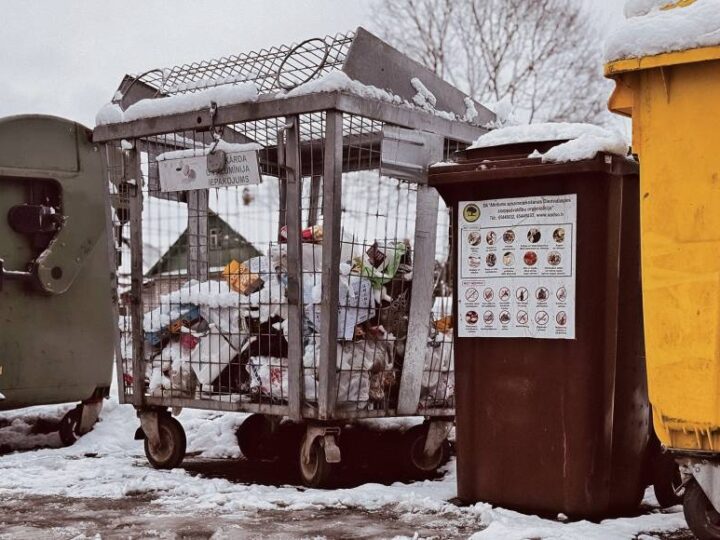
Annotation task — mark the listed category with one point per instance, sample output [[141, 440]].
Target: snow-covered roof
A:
[[584, 141], [661, 26]]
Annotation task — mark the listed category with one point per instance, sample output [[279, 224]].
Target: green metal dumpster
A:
[[551, 398], [57, 318]]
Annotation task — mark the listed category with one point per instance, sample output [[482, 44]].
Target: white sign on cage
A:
[[189, 173]]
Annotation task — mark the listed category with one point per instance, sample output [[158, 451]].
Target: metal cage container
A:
[[310, 286]]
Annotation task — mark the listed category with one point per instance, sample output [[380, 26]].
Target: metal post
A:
[[332, 198], [132, 182], [109, 149], [282, 186], [314, 209], [420, 301], [293, 190]]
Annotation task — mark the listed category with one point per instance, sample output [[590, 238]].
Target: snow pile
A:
[[651, 30], [338, 81], [504, 114], [109, 463], [145, 108], [638, 8], [205, 150], [510, 525], [424, 98], [471, 112], [32, 427], [585, 141]]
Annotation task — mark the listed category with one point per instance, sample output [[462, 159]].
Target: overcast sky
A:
[[67, 57]]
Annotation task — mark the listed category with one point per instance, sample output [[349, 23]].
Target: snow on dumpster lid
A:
[[661, 26], [584, 141]]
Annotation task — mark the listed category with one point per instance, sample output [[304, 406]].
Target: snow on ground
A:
[[584, 141], [650, 29], [108, 463]]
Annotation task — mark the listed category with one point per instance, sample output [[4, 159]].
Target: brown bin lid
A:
[[512, 161]]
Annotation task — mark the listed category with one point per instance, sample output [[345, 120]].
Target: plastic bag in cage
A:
[[380, 261], [269, 377], [212, 354], [310, 234], [171, 373], [362, 368], [355, 303], [167, 319], [438, 381], [311, 258], [355, 361]]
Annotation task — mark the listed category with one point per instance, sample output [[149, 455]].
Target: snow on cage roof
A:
[[339, 63], [584, 141], [662, 26]]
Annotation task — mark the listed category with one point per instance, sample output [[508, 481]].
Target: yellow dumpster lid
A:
[[660, 33]]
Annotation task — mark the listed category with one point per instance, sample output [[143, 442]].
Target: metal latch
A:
[[34, 218], [216, 161], [12, 274]]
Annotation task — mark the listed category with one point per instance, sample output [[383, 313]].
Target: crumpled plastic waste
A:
[[438, 380], [310, 234], [380, 262]]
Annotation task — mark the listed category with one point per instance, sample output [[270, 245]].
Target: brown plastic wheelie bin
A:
[[552, 408]]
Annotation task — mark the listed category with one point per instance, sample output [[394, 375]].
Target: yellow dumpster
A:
[[666, 65]]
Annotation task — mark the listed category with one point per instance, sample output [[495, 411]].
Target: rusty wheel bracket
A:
[[438, 431], [150, 426], [328, 438]]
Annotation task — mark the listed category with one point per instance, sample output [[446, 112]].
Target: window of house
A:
[[214, 238]]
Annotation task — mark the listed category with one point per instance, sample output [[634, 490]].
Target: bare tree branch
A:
[[542, 55]]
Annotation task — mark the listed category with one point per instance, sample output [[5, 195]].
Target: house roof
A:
[[180, 246]]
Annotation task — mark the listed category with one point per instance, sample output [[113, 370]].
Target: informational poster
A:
[[189, 173], [517, 267]]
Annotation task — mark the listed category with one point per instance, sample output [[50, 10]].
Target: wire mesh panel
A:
[[277, 68], [209, 275]]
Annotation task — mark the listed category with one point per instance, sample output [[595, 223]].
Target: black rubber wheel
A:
[[318, 473], [666, 479], [702, 518], [417, 463], [69, 429], [171, 450], [256, 439]]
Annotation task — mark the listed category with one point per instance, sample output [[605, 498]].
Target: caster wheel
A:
[[69, 429], [171, 450], [317, 473], [702, 518], [255, 438], [666, 479], [417, 463]]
